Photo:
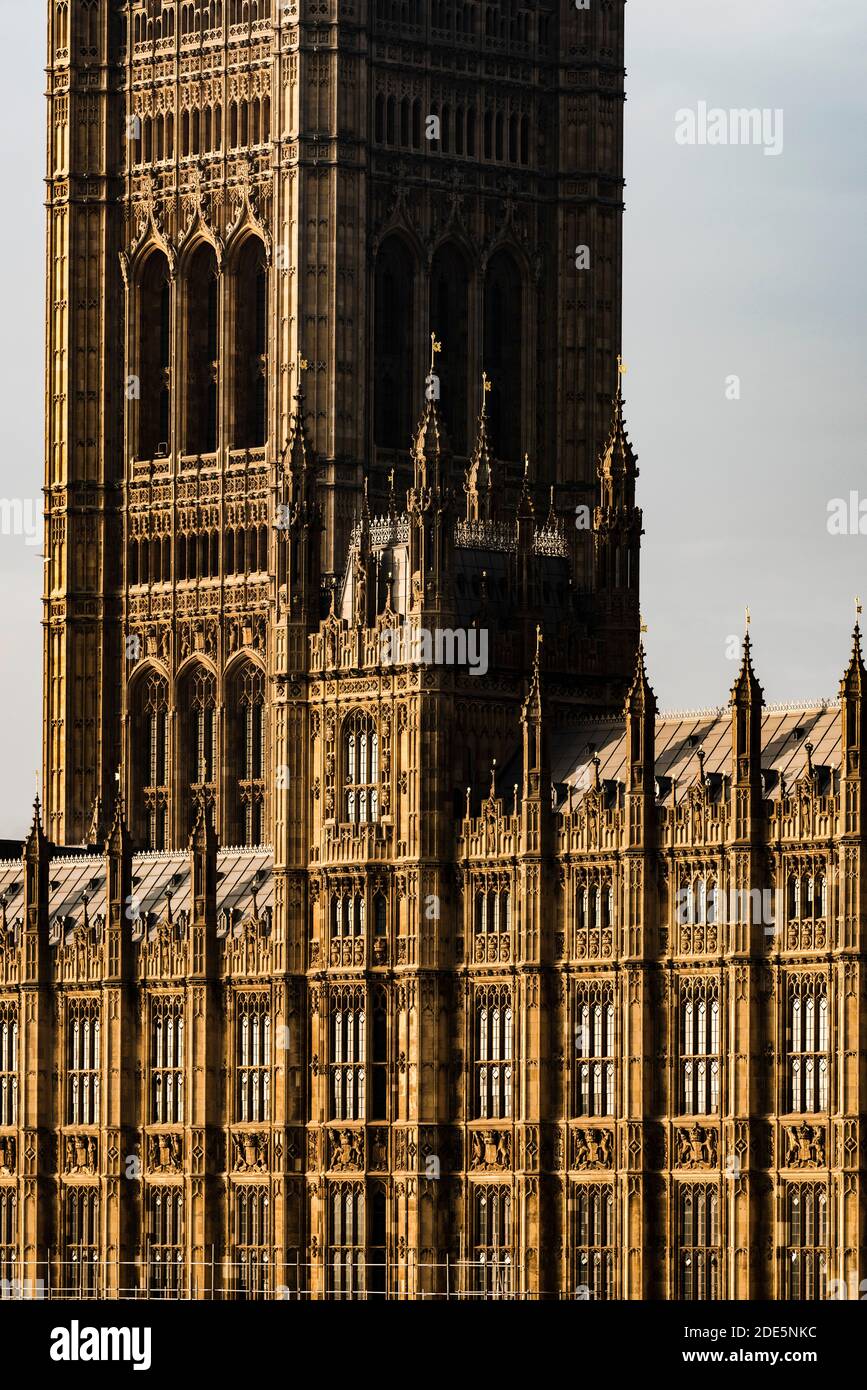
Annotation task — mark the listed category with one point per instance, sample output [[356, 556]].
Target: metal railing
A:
[[259, 1278]]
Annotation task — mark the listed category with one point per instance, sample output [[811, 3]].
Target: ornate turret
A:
[[747, 703], [617, 531], [203, 866], [640, 716], [363, 571], [299, 524], [118, 870], [37, 860], [430, 505], [479, 478], [853, 709], [536, 790]]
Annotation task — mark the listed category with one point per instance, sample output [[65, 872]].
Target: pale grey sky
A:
[[735, 264]]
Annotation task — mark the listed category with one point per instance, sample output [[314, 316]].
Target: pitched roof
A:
[[785, 734]]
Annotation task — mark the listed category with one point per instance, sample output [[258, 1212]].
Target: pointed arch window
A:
[[593, 1065], [700, 1058], [8, 1063], [247, 742], [593, 1240], [492, 1270], [699, 1243], [449, 300], [348, 1047], [346, 1241], [165, 1249], [198, 742], [167, 1060], [250, 388], [9, 1256], [494, 1036], [81, 1242], [150, 760], [360, 770], [251, 1241], [808, 1060], [502, 355], [253, 1054], [393, 358], [154, 358], [805, 1255], [202, 349], [83, 1062]]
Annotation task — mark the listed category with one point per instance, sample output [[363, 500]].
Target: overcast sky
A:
[[737, 264]]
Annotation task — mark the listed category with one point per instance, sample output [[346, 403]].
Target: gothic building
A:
[[376, 936]]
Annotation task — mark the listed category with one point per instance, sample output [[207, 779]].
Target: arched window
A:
[[492, 1241], [493, 1053], [202, 351], [699, 1248], [199, 742], [392, 352], [593, 1066], [805, 1258], [81, 1241], [83, 1062], [699, 1047], [449, 289], [593, 1237], [360, 770], [348, 1054], [807, 1062], [253, 1059], [250, 284], [150, 760], [503, 340], [154, 351], [8, 1063], [246, 718]]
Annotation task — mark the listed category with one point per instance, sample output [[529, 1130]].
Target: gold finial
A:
[[435, 347], [493, 778], [391, 478], [749, 617], [486, 385], [642, 624], [301, 366], [857, 610], [622, 368]]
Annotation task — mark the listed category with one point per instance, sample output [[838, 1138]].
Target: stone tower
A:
[[236, 188]]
